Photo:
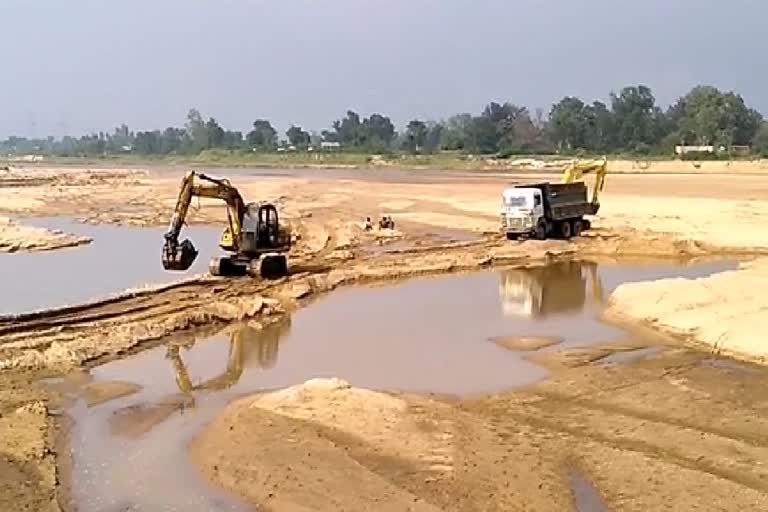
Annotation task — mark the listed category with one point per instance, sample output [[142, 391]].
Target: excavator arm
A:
[[576, 171], [180, 255]]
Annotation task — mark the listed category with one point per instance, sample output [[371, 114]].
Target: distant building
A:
[[682, 150], [330, 145]]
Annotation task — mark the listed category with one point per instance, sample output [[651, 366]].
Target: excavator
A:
[[576, 170], [248, 346], [253, 233], [561, 287]]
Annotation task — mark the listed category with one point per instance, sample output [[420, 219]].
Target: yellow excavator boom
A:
[[576, 171], [179, 256]]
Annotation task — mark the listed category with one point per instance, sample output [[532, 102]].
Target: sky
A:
[[80, 66]]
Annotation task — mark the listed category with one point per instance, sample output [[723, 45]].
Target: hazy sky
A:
[[77, 66]]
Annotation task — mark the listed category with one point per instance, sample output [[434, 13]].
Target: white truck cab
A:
[[521, 211]]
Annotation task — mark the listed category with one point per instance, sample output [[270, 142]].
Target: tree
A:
[[568, 122], [232, 139], [708, 116], [482, 136], [214, 134], [379, 131], [456, 132], [416, 136], [329, 136], [760, 142], [297, 136], [263, 135], [524, 136], [172, 140], [147, 143], [434, 137], [196, 131], [635, 117], [349, 130], [600, 134]]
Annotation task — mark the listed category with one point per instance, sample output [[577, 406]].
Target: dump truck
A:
[[546, 210]]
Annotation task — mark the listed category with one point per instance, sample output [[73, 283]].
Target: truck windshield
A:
[[514, 201]]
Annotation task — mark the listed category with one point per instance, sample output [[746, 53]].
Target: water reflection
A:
[[561, 287], [249, 346]]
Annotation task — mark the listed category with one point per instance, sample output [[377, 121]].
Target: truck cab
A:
[[521, 210]]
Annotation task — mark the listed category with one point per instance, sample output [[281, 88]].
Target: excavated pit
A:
[[428, 335]]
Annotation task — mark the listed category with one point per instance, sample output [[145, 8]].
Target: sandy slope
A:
[[727, 311], [16, 237]]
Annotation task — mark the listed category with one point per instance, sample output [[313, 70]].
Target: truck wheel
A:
[[541, 231], [511, 236], [586, 225], [577, 228], [565, 230]]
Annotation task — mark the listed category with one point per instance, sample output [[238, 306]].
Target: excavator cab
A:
[[260, 228]]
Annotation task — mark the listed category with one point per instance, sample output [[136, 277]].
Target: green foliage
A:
[[263, 136], [297, 137], [416, 136], [760, 142], [708, 116], [631, 124]]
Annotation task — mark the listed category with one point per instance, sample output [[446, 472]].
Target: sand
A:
[[16, 237], [726, 312]]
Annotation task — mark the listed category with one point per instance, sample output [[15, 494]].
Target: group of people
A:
[[385, 222]]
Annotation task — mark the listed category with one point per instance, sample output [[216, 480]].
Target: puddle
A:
[[586, 498], [117, 259], [629, 356], [567, 287], [424, 335]]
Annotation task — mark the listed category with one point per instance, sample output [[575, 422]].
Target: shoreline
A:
[[704, 312]]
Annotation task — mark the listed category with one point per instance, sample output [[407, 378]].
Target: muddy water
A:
[[117, 259], [426, 335], [586, 498]]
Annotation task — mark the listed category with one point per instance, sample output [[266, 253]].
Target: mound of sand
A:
[[726, 311], [324, 445], [525, 343], [15, 237]]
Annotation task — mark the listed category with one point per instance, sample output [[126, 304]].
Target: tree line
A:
[[631, 122]]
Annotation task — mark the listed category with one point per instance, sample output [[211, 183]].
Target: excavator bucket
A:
[[178, 256]]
